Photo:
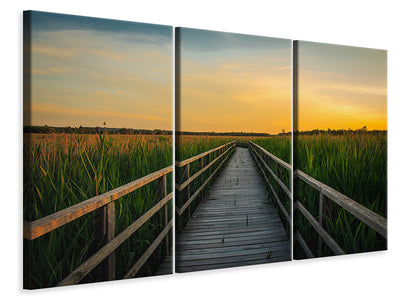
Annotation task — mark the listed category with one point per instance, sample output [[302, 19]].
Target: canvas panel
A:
[[340, 150], [97, 149], [233, 149]]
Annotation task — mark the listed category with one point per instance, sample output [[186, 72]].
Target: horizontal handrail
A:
[[263, 166], [319, 229], [367, 216], [137, 266], [81, 271], [273, 157], [193, 158], [277, 179], [35, 229], [181, 186], [187, 203], [278, 201], [189, 179]]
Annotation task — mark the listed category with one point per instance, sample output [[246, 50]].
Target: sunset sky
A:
[[86, 71], [341, 87], [234, 82]]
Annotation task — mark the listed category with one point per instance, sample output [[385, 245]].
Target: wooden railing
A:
[[267, 162], [365, 215], [106, 205], [214, 159]]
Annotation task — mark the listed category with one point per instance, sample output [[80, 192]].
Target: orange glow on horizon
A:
[[341, 87]]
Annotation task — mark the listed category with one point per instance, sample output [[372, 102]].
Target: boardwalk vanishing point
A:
[[236, 224]]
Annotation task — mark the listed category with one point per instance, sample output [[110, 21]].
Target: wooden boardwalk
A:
[[235, 225]]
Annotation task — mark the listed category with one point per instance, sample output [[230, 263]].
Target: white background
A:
[[358, 23]]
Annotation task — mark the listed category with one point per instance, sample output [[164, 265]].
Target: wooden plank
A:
[[237, 244], [35, 229], [318, 228], [250, 262], [230, 251], [191, 159], [100, 255], [233, 224], [238, 260], [223, 240], [372, 219], [141, 261], [248, 231]]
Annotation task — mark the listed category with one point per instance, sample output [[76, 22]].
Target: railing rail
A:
[[105, 203], [365, 215], [218, 155], [264, 160]]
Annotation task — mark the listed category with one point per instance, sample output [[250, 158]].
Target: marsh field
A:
[[353, 163], [61, 170]]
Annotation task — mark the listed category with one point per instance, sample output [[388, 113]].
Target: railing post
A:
[[202, 176], [104, 233], [162, 192], [278, 171], [321, 219], [110, 237], [207, 158], [187, 176]]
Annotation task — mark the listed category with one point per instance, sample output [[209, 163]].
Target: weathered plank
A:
[[235, 224]]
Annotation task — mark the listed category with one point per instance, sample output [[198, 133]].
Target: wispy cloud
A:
[[84, 72]]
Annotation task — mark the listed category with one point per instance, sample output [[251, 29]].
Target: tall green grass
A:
[[353, 164], [280, 146], [188, 146], [61, 170]]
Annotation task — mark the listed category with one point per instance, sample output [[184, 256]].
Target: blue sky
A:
[[86, 71]]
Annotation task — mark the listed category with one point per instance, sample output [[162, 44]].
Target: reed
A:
[[61, 170], [355, 165]]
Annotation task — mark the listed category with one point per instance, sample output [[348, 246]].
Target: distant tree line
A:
[[212, 133], [94, 130], [339, 131], [130, 131]]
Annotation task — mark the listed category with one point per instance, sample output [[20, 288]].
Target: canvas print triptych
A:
[[276, 150]]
